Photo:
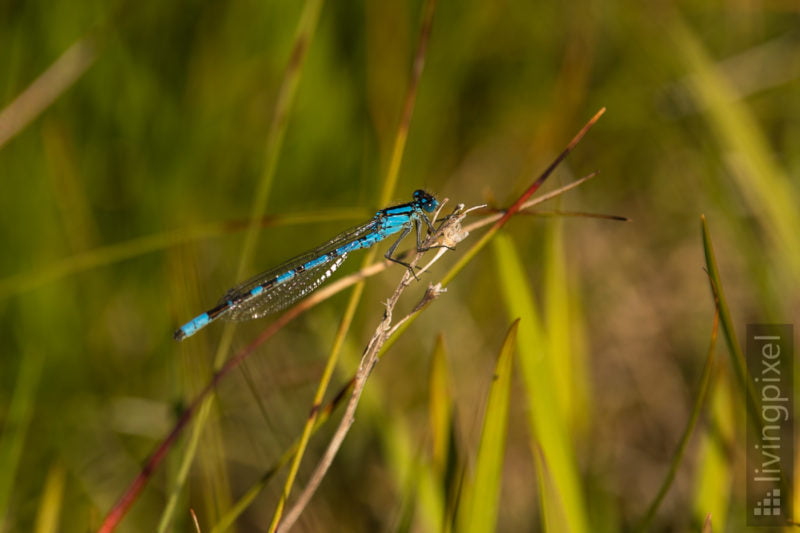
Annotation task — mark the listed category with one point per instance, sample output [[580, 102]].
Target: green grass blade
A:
[[564, 331], [734, 348], [705, 384], [440, 408], [714, 478], [563, 506], [441, 423], [49, 513], [480, 505], [419, 488]]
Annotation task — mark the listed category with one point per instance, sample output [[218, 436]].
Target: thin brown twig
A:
[[559, 213], [530, 202]]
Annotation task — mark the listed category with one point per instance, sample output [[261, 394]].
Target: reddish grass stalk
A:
[[516, 206]]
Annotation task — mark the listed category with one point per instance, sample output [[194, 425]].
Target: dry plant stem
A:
[[45, 89], [516, 206], [195, 521], [450, 230]]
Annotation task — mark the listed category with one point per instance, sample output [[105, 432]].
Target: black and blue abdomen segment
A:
[[200, 321]]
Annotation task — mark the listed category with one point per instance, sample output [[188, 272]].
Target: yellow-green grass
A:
[[154, 155]]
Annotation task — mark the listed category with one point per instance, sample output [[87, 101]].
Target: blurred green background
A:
[[123, 208]]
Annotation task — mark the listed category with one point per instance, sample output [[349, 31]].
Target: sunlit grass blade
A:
[[440, 423], [479, 505], [563, 506], [564, 327], [728, 327], [440, 411], [49, 513], [699, 403], [715, 470]]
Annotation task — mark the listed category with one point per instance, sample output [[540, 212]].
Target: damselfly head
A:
[[426, 201]]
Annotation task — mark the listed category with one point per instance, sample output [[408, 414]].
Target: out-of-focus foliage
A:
[[133, 141]]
